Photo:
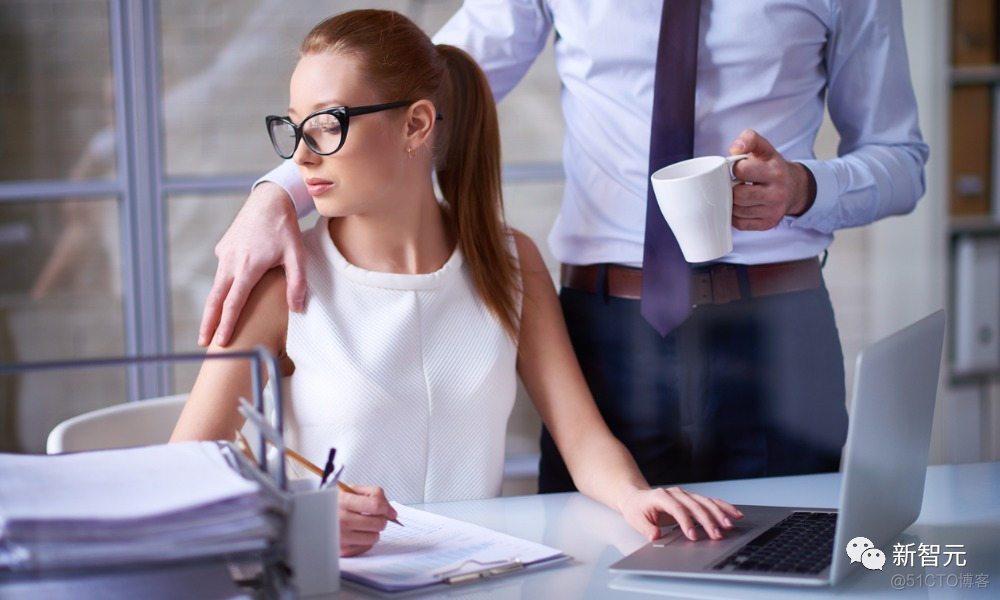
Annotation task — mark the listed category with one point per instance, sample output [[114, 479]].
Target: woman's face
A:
[[366, 173]]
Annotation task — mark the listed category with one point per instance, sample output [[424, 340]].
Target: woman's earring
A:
[[411, 152]]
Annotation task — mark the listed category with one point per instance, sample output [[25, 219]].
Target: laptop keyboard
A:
[[801, 543]]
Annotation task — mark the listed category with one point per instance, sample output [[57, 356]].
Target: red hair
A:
[[403, 64]]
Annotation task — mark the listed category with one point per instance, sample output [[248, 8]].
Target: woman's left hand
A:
[[648, 510]]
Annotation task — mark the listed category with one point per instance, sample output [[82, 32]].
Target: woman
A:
[[421, 313]]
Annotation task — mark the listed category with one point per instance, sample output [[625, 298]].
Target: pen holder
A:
[[314, 539]]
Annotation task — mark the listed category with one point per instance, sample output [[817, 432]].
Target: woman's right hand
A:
[[646, 510], [362, 517]]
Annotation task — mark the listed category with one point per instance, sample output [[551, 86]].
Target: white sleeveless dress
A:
[[409, 377]]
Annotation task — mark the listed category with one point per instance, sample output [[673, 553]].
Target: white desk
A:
[[961, 506]]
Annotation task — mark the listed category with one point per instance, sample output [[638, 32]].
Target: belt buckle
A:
[[717, 283], [725, 283], [701, 287]]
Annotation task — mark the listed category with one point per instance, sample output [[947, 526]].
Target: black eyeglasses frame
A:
[[343, 115]]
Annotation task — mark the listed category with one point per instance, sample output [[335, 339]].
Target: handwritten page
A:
[[430, 549]]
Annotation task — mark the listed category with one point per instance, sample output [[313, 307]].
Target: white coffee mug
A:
[[696, 199]]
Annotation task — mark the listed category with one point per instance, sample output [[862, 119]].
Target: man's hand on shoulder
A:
[[264, 235]]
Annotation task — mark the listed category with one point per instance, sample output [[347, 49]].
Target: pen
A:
[[328, 469], [334, 479], [305, 462]]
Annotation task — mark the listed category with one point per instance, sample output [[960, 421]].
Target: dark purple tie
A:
[[666, 276]]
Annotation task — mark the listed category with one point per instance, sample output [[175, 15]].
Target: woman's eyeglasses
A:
[[324, 131]]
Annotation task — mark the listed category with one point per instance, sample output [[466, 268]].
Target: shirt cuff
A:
[[287, 177], [821, 216]]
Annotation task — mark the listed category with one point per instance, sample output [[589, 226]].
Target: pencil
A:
[[245, 446], [305, 462]]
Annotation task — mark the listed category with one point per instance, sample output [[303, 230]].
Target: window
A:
[[139, 132]]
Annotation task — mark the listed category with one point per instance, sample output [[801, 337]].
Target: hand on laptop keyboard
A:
[[648, 510]]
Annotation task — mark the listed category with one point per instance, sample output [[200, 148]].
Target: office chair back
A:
[[120, 426]]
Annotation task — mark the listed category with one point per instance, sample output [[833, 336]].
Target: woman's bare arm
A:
[[211, 412], [600, 465]]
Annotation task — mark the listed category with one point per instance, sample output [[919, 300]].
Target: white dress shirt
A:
[[767, 65]]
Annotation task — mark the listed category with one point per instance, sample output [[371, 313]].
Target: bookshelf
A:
[[975, 100], [974, 187], [972, 421]]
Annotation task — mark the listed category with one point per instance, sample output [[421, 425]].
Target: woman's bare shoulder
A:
[[527, 253]]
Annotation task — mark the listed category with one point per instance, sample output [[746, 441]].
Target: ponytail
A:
[[468, 173], [403, 64]]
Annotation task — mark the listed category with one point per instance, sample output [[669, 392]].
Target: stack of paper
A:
[[134, 505]]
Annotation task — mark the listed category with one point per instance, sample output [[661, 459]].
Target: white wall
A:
[[909, 278]]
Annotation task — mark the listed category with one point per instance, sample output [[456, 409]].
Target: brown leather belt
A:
[[717, 283]]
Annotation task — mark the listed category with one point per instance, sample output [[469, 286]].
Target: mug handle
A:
[[732, 160]]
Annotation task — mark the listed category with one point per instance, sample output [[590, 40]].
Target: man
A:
[[751, 383]]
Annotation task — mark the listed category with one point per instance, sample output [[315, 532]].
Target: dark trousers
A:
[[753, 388]]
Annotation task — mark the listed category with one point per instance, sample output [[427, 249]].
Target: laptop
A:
[[882, 484]]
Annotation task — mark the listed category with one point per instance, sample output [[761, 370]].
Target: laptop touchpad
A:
[[672, 534]]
